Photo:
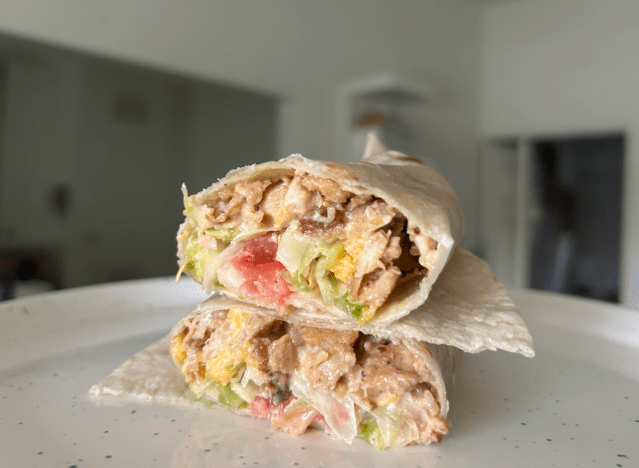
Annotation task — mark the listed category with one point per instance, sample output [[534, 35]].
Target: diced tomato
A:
[[264, 408], [319, 419], [294, 423], [261, 272], [261, 407]]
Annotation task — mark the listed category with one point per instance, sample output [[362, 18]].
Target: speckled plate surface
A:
[[575, 404]]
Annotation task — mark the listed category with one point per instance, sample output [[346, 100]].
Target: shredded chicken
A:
[[421, 405], [326, 355], [329, 189], [385, 373], [202, 339], [273, 200], [377, 286], [282, 355]]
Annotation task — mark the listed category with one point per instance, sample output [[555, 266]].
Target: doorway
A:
[[551, 214], [577, 239]]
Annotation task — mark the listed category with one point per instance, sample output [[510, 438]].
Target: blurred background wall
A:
[[108, 107], [562, 68]]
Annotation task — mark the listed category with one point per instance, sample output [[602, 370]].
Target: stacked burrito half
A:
[[340, 300]]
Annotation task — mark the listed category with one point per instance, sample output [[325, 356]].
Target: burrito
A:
[[349, 243], [390, 392], [387, 385]]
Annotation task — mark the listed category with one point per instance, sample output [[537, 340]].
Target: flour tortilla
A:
[[469, 309], [415, 189], [150, 376]]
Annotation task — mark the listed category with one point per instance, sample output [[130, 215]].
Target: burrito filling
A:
[[345, 381], [293, 239]]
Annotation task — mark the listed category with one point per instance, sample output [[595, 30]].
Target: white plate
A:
[[575, 404]]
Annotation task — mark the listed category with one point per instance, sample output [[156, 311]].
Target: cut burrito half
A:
[[359, 242], [386, 385], [390, 392]]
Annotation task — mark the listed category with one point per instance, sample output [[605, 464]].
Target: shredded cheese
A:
[[227, 362], [177, 348], [344, 267]]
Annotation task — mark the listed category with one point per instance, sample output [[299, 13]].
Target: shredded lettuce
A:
[[379, 429], [369, 430], [387, 426], [223, 235], [189, 209], [229, 398], [350, 305], [291, 249], [209, 391], [197, 257], [330, 287], [308, 262], [247, 392]]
